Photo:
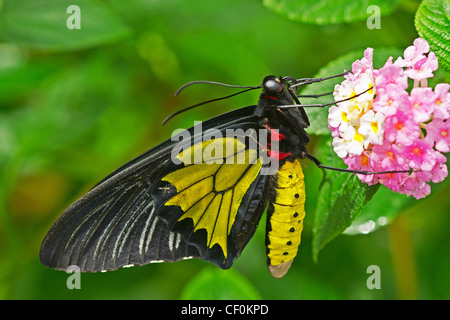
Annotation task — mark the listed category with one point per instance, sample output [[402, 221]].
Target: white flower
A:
[[338, 118], [355, 113], [372, 127], [348, 134], [344, 147], [339, 147], [355, 147], [365, 84], [344, 91], [358, 125]]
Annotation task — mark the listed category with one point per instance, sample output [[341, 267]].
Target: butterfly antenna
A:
[[212, 100], [215, 83], [305, 81]]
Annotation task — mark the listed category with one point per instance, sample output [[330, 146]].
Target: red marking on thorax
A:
[[278, 155], [270, 97], [275, 135]]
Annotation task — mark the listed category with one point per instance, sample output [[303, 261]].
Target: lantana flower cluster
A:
[[379, 124]]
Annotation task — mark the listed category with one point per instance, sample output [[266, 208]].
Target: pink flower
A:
[[421, 155], [442, 101], [334, 131], [423, 68], [390, 156], [390, 99], [440, 171], [413, 53], [360, 66], [422, 103], [416, 185], [401, 128], [421, 45], [361, 162], [438, 131], [390, 73], [393, 181]]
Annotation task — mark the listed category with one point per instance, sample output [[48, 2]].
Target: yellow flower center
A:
[[374, 126], [358, 137]]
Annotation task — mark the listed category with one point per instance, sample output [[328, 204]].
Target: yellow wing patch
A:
[[210, 192]]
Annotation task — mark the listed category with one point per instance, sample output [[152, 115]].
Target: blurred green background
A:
[[74, 106]]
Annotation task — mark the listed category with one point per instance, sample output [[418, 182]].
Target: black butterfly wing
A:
[[112, 226], [217, 202], [117, 223]]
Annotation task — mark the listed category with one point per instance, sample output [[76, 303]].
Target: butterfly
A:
[[201, 195]]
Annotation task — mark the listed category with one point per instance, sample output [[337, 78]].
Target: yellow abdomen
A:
[[285, 219]]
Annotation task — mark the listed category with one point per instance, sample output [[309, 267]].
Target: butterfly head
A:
[[272, 85], [277, 88]]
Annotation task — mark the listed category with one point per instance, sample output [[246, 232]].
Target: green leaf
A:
[[42, 24], [216, 284], [433, 24], [318, 117], [341, 198], [329, 11], [385, 206]]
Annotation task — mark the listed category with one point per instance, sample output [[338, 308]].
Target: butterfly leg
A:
[[315, 96], [320, 165], [321, 105]]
